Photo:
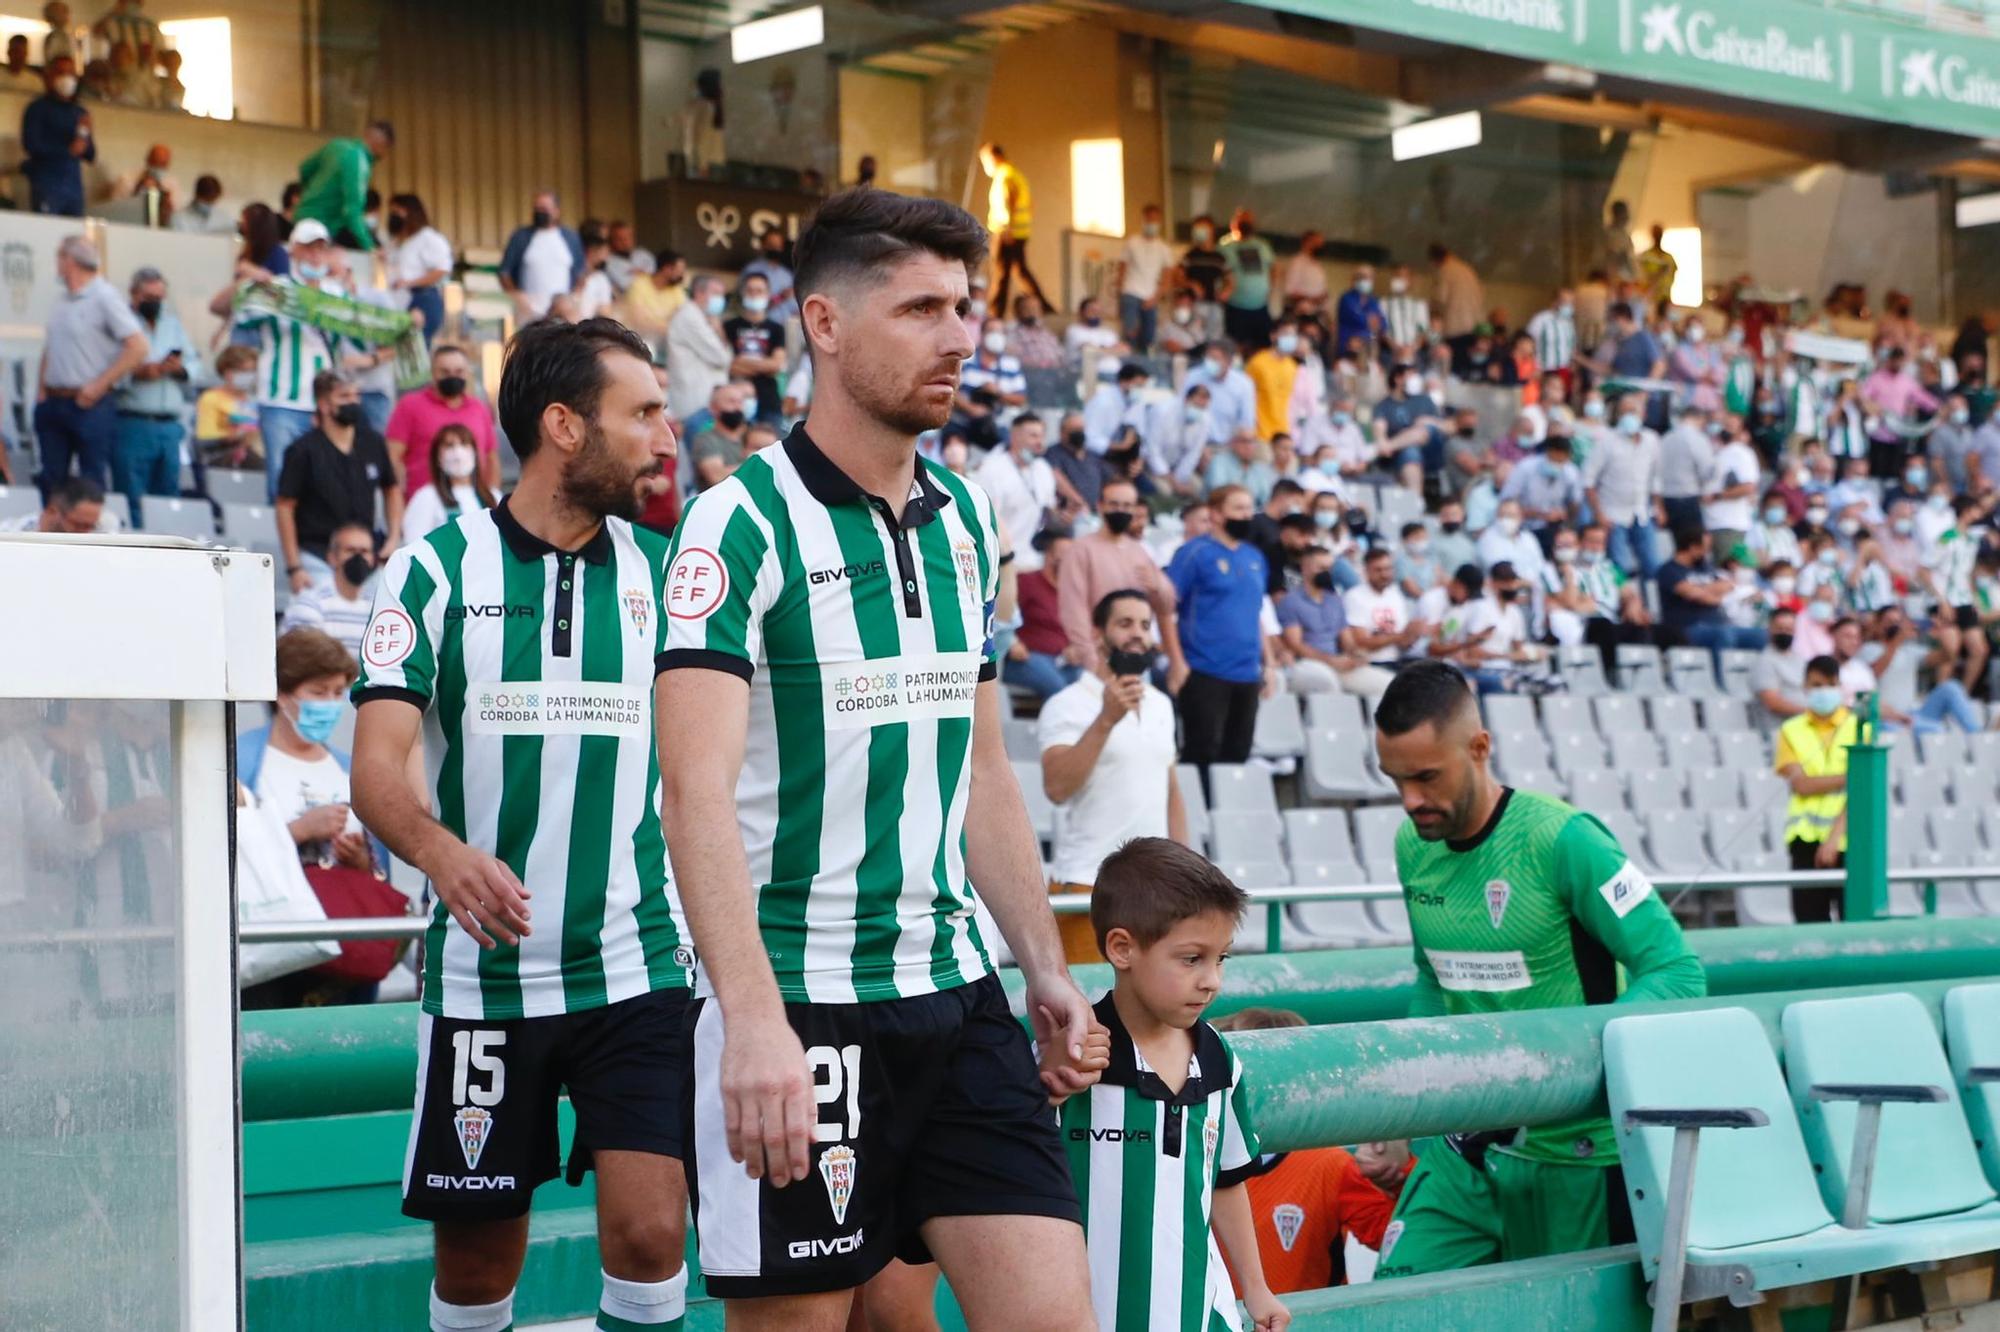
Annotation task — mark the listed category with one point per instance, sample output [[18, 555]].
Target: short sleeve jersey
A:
[[1537, 911], [864, 629], [1147, 1162], [534, 669]]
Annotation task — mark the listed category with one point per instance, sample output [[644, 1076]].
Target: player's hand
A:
[[767, 1100], [481, 894], [320, 824], [1123, 694], [1059, 1014], [1064, 1077], [1267, 1312]]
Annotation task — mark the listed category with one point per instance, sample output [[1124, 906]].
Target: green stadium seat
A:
[[1877, 1057], [1718, 1213], [1972, 1034]]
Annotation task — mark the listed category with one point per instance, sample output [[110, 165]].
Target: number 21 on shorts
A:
[[836, 1074]]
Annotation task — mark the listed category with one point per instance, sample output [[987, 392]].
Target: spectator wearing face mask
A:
[[1080, 474], [1406, 319], [698, 353], [1729, 497], [993, 369], [770, 264], [1453, 545], [1623, 487], [1246, 296], [289, 764], [1040, 658], [1111, 558], [720, 448], [1381, 625], [1274, 373], [1692, 595], [1219, 583], [330, 479], [1021, 485], [1088, 331], [1177, 450], [1811, 755], [1509, 541], [1206, 273], [1409, 428], [420, 260], [454, 486], [56, 138], [542, 260], [152, 404], [447, 400], [757, 342], [1143, 265], [1358, 314], [1778, 677], [1895, 653], [1417, 566], [1950, 444], [1115, 406], [1549, 489], [1232, 406], [1246, 464], [1181, 332], [1771, 539], [1314, 619], [1687, 460], [340, 607], [225, 416], [1955, 618], [1030, 342]]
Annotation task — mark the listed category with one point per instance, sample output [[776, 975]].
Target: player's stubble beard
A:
[[885, 391], [596, 482]]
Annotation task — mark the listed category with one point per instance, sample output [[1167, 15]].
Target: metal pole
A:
[[1673, 1241], [1861, 1165], [1274, 928], [1865, 895]]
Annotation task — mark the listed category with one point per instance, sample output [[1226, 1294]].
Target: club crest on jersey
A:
[[475, 1127], [639, 607], [1211, 1134], [1290, 1219], [966, 556], [837, 1168], [1389, 1238], [1497, 893]]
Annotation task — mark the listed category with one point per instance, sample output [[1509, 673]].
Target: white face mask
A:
[[1287, 343], [1399, 285], [457, 462], [1510, 526], [1184, 314], [994, 341], [1784, 585], [756, 305], [243, 380], [1696, 333], [1413, 385], [66, 86]]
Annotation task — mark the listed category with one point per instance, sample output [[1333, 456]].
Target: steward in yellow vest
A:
[[1812, 758]]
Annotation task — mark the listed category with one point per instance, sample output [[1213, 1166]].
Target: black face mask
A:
[[1449, 527], [347, 414], [1468, 432], [1118, 522], [729, 420], [1238, 529], [451, 386], [1126, 662], [149, 310], [356, 568], [541, 219], [398, 223], [1782, 642], [1323, 580], [1074, 439]]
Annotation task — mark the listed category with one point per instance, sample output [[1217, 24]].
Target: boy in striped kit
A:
[[1161, 1146]]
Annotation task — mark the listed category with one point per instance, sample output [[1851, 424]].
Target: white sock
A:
[[496, 1317], [644, 1303]]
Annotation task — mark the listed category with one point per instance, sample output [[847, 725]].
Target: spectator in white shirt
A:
[[1108, 758], [419, 260], [341, 608], [1735, 478], [1142, 269], [1507, 541], [698, 355], [1022, 486], [1176, 451], [1090, 330], [1114, 406], [1380, 626]]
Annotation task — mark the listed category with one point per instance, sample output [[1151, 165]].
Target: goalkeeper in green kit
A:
[[1517, 901]]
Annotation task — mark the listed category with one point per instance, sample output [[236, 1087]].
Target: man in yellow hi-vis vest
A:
[[1812, 757], [1009, 216]]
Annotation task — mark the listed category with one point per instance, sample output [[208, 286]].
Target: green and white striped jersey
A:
[[289, 354], [534, 668], [1951, 564], [1147, 1163], [864, 631]]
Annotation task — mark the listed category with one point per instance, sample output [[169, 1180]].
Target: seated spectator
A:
[[1232, 403], [1895, 653], [655, 297], [1409, 428], [1772, 539], [1496, 650], [1308, 1205], [330, 479], [202, 215], [1314, 619], [17, 75], [225, 416], [1246, 463], [1079, 473], [1811, 755], [1380, 626], [719, 449], [1090, 331], [1955, 617], [1692, 594], [1114, 406], [1108, 758], [75, 506], [1040, 658], [447, 400], [992, 369], [1549, 489], [1508, 540], [1219, 582], [1287, 497], [1030, 341], [1454, 543], [1114, 558], [1181, 332], [1778, 679], [1022, 485], [1612, 610], [339, 608], [1417, 567], [1177, 450], [455, 487], [1337, 445]]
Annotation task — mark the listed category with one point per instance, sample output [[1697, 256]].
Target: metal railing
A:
[[1274, 900]]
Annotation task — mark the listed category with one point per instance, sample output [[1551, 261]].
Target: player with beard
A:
[[520, 641], [836, 784], [1517, 901]]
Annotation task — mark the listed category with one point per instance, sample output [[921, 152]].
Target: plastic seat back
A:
[[1375, 832], [1691, 671], [1673, 712], [1972, 1034], [1240, 786], [1583, 671], [1279, 732], [1925, 1164], [1750, 1185], [1318, 836], [19, 501], [1639, 669], [1618, 712], [167, 516], [1246, 835], [1337, 712]]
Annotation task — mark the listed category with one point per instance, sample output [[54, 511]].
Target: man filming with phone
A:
[[1108, 758]]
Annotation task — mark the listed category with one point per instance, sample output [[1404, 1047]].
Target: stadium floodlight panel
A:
[[1443, 135], [798, 30], [1979, 210]]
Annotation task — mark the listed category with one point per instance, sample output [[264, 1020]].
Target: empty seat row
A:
[[1609, 714]]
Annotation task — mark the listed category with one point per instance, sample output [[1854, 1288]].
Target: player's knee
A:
[[642, 1247], [470, 1283]]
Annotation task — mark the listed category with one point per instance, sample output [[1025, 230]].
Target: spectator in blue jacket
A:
[[55, 136], [542, 260]]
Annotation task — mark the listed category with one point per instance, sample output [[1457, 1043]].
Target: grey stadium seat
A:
[[1345, 923], [1528, 748], [1946, 747], [1563, 715], [1635, 753], [1392, 917], [1639, 669], [255, 527], [1743, 750], [1671, 713], [1983, 750], [1956, 832], [1735, 838], [1189, 780], [1691, 671], [19, 501], [1240, 786], [1572, 750], [1336, 767], [1652, 795], [1022, 740], [1319, 837], [1715, 789], [1737, 663], [1675, 838], [1726, 714], [1375, 831], [1279, 732], [1246, 834], [1582, 671], [1329, 711], [1618, 712], [1922, 790], [1691, 748], [1630, 835], [1599, 790], [233, 485], [1041, 812], [1763, 788], [1509, 714]]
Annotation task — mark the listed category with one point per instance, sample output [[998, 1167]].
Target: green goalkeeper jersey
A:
[[1539, 910]]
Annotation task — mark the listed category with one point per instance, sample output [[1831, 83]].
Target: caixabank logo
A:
[[1675, 28], [1918, 72]]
